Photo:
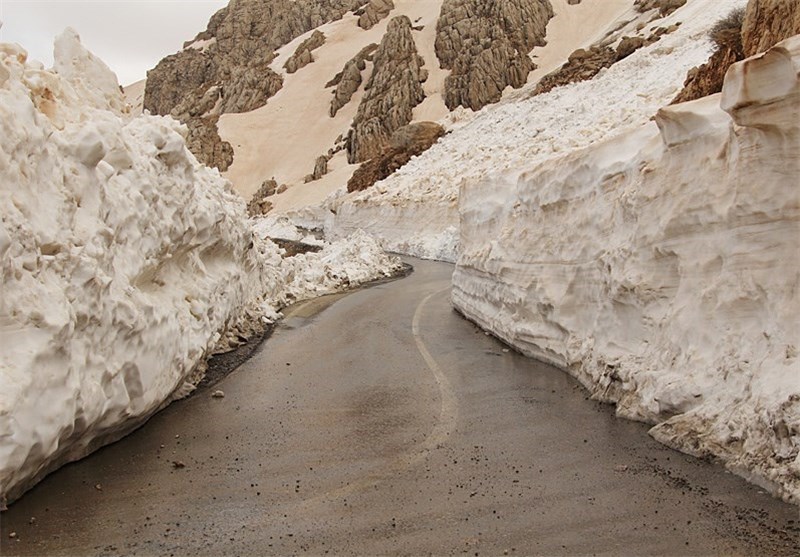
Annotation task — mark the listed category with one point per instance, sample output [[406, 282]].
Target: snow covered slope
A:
[[123, 261], [661, 268], [520, 132]]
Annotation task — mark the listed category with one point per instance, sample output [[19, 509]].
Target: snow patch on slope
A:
[[509, 135], [661, 269]]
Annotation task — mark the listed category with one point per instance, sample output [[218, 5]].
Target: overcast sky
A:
[[131, 36]]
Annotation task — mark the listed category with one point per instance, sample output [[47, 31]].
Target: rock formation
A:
[[393, 90], [237, 48], [259, 204], [373, 12], [320, 167], [486, 45], [581, 65], [767, 22], [665, 7], [408, 141], [302, 56], [585, 64], [743, 33], [349, 79], [205, 143]]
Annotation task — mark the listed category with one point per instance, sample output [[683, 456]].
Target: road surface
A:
[[381, 422]]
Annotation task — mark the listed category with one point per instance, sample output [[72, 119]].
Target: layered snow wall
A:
[[122, 260], [661, 268]]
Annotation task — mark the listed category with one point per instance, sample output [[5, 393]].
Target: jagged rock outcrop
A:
[[580, 66], [767, 22], [708, 79], [259, 204], [585, 64], [349, 79], [486, 45], [374, 12], [238, 46], [665, 7], [408, 141], [743, 33], [205, 143], [302, 56], [393, 90], [320, 167]]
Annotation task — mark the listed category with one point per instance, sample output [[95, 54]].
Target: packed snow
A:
[[124, 262], [515, 134], [661, 269]]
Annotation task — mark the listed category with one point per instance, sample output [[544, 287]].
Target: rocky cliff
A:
[[767, 22], [393, 89], [486, 45], [231, 58]]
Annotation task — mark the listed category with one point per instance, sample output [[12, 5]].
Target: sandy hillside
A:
[[295, 124], [284, 138]]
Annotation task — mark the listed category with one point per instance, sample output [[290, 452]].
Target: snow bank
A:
[[122, 259], [515, 134], [661, 269], [284, 228]]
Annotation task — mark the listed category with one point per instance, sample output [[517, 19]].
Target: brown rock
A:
[[259, 204], [665, 7], [302, 56], [707, 79], [406, 142], [629, 45], [392, 91], [349, 79], [205, 143], [320, 167], [374, 12], [244, 36], [486, 45], [581, 66], [768, 22]]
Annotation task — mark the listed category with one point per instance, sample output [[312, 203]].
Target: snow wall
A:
[[415, 210], [121, 257], [123, 262], [662, 269]]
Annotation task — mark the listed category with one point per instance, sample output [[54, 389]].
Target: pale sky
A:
[[131, 36]]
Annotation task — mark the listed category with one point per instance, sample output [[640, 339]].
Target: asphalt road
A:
[[381, 422]]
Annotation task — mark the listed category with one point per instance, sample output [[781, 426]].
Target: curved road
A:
[[382, 422]]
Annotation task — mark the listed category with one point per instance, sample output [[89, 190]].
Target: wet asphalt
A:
[[382, 422]]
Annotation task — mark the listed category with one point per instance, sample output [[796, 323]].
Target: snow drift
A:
[[661, 269], [123, 261], [517, 133]]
